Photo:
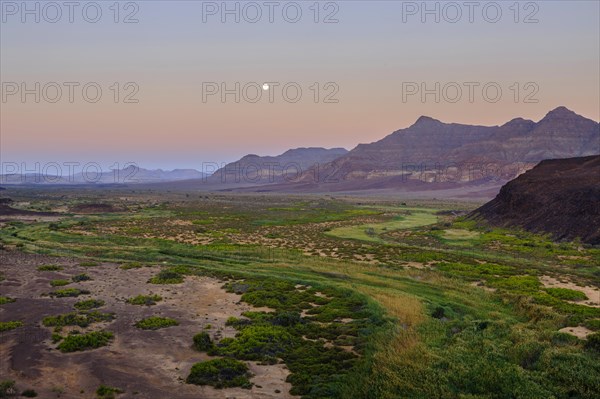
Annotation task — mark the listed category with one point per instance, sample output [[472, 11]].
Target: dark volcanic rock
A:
[[560, 197]]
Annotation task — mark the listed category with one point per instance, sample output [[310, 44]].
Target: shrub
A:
[[5, 299], [59, 283], [147, 300], [89, 304], [81, 342], [88, 263], [593, 342], [68, 292], [10, 325], [566, 294], [155, 322], [80, 277], [202, 342], [261, 342], [220, 373], [106, 392], [49, 268], [167, 277], [29, 393], [132, 265], [83, 319], [7, 388]]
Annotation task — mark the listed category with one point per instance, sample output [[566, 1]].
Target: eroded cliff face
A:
[[560, 197]]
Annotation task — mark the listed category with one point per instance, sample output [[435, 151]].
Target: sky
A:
[[175, 84]]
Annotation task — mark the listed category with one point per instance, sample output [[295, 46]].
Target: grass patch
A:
[[80, 277], [89, 304], [566, 294], [59, 283], [49, 268], [68, 292], [82, 342], [5, 299], [155, 323], [167, 277], [220, 373], [82, 319], [10, 325], [106, 392], [147, 300]]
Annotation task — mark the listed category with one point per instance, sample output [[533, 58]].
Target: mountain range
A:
[[429, 155]]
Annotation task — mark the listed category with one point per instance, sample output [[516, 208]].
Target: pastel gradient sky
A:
[[368, 54]]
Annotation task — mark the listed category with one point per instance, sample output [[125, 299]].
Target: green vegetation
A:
[[89, 304], [132, 265], [81, 342], [147, 300], [202, 342], [80, 277], [7, 388], [373, 300], [59, 283], [155, 323], [10, 325], [566, 294], [220, 373], [81, 319], [29, 393], [106, 392], [49, 268], [68, 292], [167, 277], [5, 299], [89, 263]]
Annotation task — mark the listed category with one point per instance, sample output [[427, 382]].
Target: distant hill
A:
[[289, 166], [128, 175], [436, 152], [560, 197]]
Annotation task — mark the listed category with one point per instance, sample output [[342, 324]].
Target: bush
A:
[[89, 304], [593, 342], [261, 342], [29, 393], [155, 323], [10, 325], [80, 277], [88, 263], [7, 388], [132, 265], [81, 342], [83, 319], [68, 292], [49, 268], [59, 283], [5, 299], [167, 277], [147, 300], [220, 373], [106, 392], [202, 342]]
